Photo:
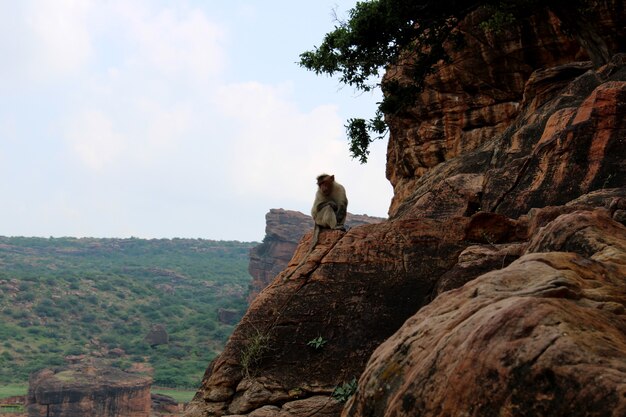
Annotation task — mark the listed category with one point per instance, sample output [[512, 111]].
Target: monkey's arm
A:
[[342, 209], [323, 204], [315, 209]]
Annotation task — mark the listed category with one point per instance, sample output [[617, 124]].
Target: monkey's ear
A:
[[332, 178]]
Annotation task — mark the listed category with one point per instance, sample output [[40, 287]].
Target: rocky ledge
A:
[[545, 336], [495, 288], [283, 231], [87, 391]]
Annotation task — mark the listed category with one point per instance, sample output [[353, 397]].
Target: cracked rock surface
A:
[[545, 336], [498, 285], [283, 231]]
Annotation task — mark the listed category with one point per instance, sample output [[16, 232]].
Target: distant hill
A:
[[69, 299]]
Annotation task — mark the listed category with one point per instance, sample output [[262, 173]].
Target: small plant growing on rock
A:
[[253, 351], [489, 238], [317, 343], [345, 391], [606, 181]]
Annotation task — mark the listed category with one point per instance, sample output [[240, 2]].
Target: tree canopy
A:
[[380, 33]]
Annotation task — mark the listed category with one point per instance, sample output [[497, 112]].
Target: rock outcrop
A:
[[84, 391], [497, 285], [545, 336], [484, 88], [157, 336], [165, 405], [283, 231]]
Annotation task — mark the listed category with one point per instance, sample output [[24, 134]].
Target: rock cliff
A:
[[85, 391], [497, 285], [283, 231], [545, 336], [484, 89]]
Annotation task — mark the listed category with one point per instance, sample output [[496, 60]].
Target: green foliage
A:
[[501, 17], [67, 296], [180, 396], [252, 353], [358, 130], [317, 343], [344, 391], [383, 33], [378, 34], [13, 390], [11, 409], [169, 376]]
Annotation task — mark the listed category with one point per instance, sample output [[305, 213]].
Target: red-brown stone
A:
[[283, 231], [496, 287], [85, 391], [545, 336]]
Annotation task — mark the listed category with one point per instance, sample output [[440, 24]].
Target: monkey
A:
[[331, 204], [329, 210]]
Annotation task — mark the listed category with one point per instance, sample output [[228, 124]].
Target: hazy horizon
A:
[[161, 119]]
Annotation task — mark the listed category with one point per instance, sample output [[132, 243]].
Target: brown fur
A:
[[328, 211]]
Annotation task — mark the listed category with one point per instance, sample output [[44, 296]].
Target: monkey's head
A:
[[325, 183]]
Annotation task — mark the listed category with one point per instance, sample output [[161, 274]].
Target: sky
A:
[[179, 118]]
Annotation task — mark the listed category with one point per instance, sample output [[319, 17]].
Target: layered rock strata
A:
[[283, 231], [508, 247], [484, 88], [84, 391], [545, 336]]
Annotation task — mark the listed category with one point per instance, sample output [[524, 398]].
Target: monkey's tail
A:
[[314, 239]]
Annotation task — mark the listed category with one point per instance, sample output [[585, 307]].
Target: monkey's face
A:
[[326, 186]]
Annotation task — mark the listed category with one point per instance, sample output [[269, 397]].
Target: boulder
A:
[[545, 336], [157, 336], [87, 391], [496, 285]]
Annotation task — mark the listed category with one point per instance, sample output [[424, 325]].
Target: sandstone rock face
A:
[[283, 231], [545, 336], [484, 88], [354, 291], [496, 287], [88, 392], [567, 147], [164, 404]]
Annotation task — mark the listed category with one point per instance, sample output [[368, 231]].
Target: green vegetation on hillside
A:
[[179, 396], [63, 297], [13, 390]]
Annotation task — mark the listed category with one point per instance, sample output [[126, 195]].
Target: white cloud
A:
[[136, 91], [278, 149], [173, 41], [154, 65], [92, 137], [62, 42], [8, 128], [144, 135], [43, 40], [160, 130], [276, 146], [46, 39]]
